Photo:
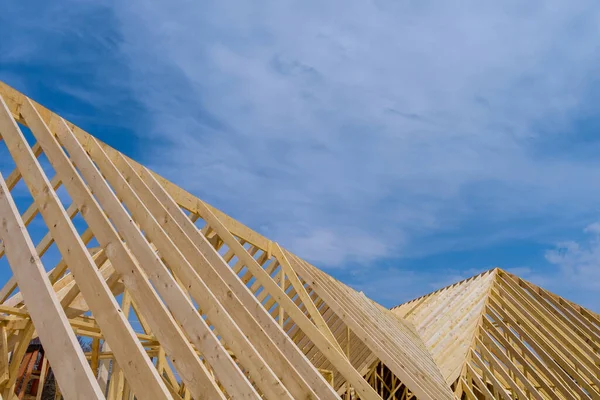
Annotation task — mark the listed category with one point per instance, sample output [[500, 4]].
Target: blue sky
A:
[[400, 146]]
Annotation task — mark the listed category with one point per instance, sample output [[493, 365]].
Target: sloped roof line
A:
[[416, 301], [522, 338], [197, 292], [447, 320]]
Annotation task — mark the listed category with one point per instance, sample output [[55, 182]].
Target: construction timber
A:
[[133, 288]]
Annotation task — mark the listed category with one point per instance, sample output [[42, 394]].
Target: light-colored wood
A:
[[156, 312], [526, 342], [95, 350], [42, 379], [103, 369], [182, 307], [41, 248], [281, 314], [117, 380], [228, 313], [301, 291], [320, 340], [381, 331], [97, 294], [499, 368], [4, 360], [63, 350], [447, 320], [20, 347], [266, 336]]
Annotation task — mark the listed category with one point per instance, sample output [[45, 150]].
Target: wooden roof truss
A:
[[177, 300], [497, 336], [223, 311]]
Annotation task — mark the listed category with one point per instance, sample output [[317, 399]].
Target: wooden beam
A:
[[97, 294], [42, 379], [306, 300], [154, 310], [106, 235], [4, 360], [179, 262], [62, 348], [294, 369], [336, 357]]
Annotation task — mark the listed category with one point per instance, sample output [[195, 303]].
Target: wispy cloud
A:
[[579, 261], [354, 133], [355, 130]]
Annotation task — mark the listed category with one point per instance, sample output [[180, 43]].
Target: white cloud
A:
[[353, 130], [332, 248], [350, 131], [579, 261]]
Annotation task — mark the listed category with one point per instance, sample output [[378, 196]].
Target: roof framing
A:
[[498, 336], [225, 312], [220, 311]]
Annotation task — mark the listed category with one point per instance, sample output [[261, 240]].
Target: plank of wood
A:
[[336, 357], [492, 370], [301, 291], [15, 100], [23, 338], [4, 360], [155, 312], [53, 328], [480, 384], [524, 354], [163, 323], [261, 329], [143, 212], [487, 338], [95, 350], [392, 342], [534, 340], [103, 369], [42, 379], [97, 294], [41, 248]]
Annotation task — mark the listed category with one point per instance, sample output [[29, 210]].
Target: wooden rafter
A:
[[223, 312], [522, 341]]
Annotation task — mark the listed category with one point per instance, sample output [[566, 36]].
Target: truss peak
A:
[[137, 289], [447, 320], [498, 336]]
